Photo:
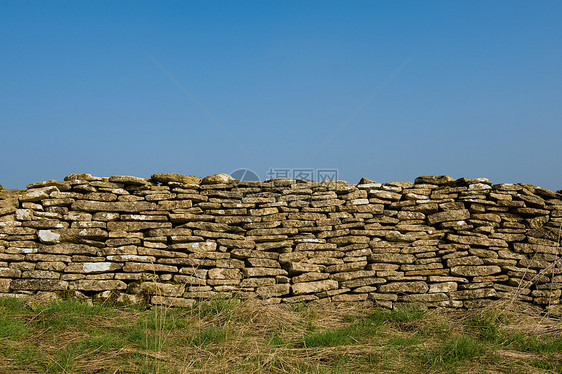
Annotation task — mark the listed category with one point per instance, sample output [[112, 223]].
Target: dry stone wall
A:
[[173, 239]]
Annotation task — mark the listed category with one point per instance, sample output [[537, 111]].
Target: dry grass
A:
[[254, 337]]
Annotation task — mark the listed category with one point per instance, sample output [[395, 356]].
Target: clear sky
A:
[[385, 90]]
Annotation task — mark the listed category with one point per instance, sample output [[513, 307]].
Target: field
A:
[[229, 335]]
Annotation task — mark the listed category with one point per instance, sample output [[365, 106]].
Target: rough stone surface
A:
[[217, 179], [174, 238], [173, 177]]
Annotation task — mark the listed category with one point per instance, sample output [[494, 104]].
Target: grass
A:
[[228, 335]]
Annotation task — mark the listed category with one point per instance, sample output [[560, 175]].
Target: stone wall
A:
[[173, 239]]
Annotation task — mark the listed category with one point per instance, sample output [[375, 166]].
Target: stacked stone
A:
[[173, 239]]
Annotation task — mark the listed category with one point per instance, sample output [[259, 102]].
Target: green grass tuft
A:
[[209, 335], [452, 352]]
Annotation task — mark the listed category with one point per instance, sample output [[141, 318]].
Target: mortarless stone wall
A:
[[173, 239]]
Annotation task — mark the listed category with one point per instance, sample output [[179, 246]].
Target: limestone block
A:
[[73, 235], [345, 276], [263, 262], [174, 177], [38, 285], [220, 273], [474, 271], [310, 277], [125, 179], [5, 284], [178, 302], [138, 267], [92, 267], [97, 285], [350, 297], [361, 282], [467, 260], [10, 272], [449, 215], [443, 287], [425, 298], [217, 179], [41, 274], [314, 287], [200, 246], [277, 290], [385, 195], [478, 293], [303, 267], [476, 240], [257, 282], [162, 289], [48, 236], [263, 272], [38, 194], [394, 258], [135, 226], [437, 180], [22, 214], [117, 206], [350, 266], [404, 287]]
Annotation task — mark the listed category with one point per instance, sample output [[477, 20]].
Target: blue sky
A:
[[468, 89]]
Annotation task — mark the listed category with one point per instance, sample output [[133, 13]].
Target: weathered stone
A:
[[71, 235], [97, 285], [404, 287], [263, 262], [353, 275], [219, 273], [474, 271], [137, 225], [394, 258], [445, 287], [129, 180], [349, 266], [536, 248], [277, 290], [473, 294], [310, 277], [361, 282], [200, 246], [48, 236], [5, 284], [38, 194], [136, 267], [178, 302], [397, 236], [217, 179], [314, 287], [385, 195], [263, 272], [117, 206], [92, 267], [437, 180], [174, 177], [425, 298], [8, 206], [467, 260], [162, 289], [38, 285], [449, 215], [303, 267], [476, 240]]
